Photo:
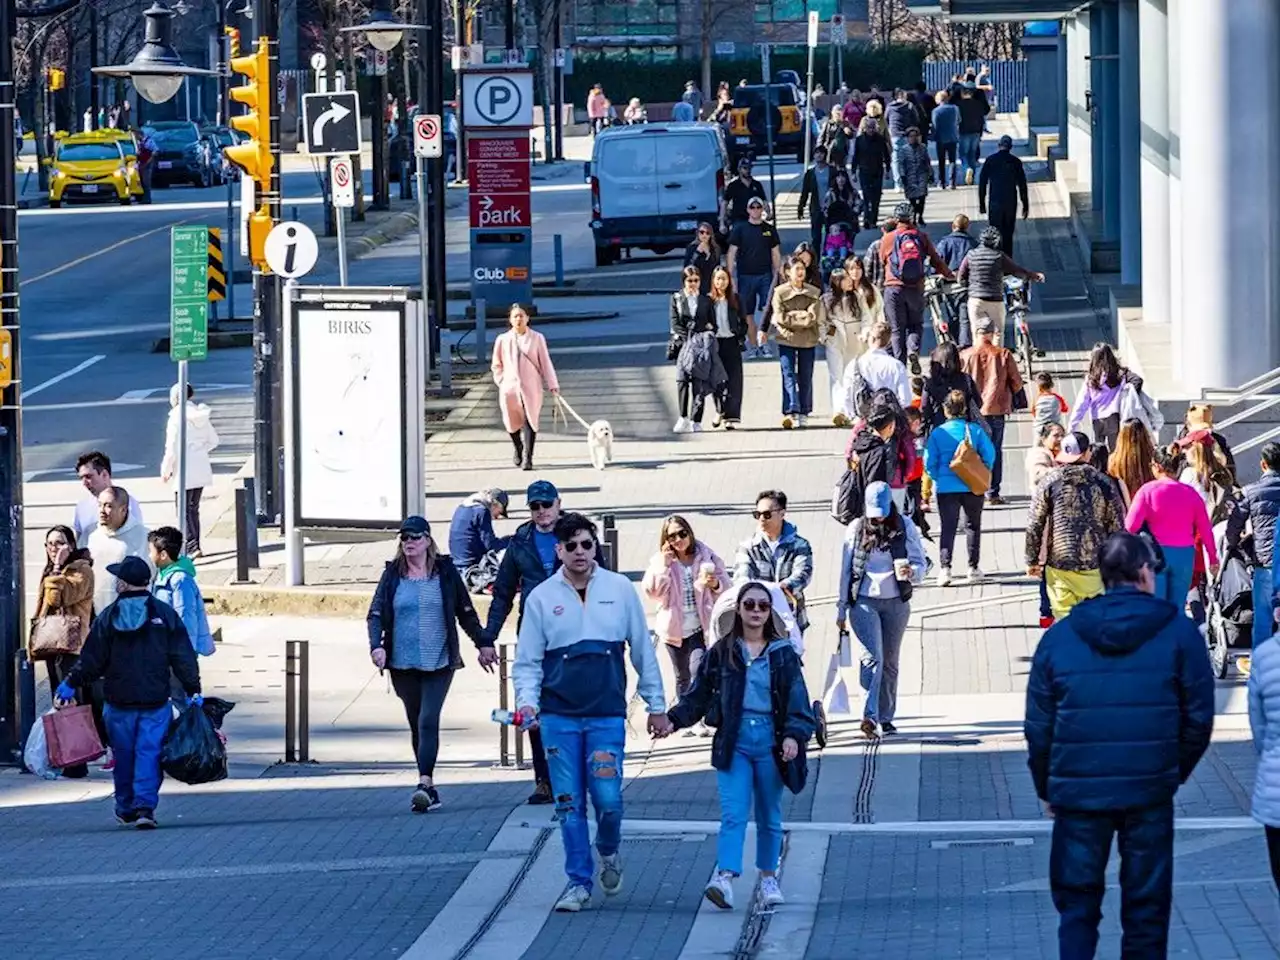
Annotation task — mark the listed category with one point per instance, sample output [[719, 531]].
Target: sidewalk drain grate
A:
[[981, 843]]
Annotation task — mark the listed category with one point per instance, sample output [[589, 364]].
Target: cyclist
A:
[[983, 271]]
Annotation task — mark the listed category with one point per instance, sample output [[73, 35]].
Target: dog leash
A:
[[562, 405]]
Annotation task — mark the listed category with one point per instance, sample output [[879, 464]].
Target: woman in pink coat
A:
[[685, 577], [521, 365]]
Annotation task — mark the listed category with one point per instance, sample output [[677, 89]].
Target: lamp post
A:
[[157, 71]]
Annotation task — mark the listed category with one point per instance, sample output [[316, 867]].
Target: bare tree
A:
[[713, 11], [891, 21], [888, 21]]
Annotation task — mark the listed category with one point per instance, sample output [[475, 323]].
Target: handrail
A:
[[1246, 414], [1272, 376], [1257, 441]]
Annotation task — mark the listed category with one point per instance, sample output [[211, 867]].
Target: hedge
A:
[[626, 76]]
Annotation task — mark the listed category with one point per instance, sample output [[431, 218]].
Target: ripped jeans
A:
[[585, 757]]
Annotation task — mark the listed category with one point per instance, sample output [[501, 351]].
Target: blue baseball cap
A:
[[542, 490], [134, 571], [878, 503]]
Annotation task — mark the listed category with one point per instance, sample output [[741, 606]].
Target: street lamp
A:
[[383, 30], [157, 71]]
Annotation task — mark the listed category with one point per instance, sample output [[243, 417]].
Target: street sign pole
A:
[[424, 262], [182, 451], [766, 69], [808, 99], [188, 332]]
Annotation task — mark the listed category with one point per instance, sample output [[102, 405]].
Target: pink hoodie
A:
[[1174, 512], [659, 584]]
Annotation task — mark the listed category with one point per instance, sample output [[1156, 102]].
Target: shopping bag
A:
[[192, 752], [845, 649], [967, 464], [72, 736], [36, 753]]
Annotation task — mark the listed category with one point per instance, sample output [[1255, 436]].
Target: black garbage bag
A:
[[216, 708], [192, 752]]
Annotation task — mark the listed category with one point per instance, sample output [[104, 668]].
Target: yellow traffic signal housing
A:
[[260, 225], [254, 157], [6, 358], [233, 41], [57, 78]]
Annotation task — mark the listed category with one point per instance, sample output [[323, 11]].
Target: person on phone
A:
[[684, 579], [571, 682], [413, 631], [751, 684], [883, 558]]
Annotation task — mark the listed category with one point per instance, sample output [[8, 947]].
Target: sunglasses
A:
[[764, 606], [573, 546], [541, 504], [407, 537], [677, 535], [704, 233], [762, 514]]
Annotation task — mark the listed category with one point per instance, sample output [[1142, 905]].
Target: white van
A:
[[652, 183]]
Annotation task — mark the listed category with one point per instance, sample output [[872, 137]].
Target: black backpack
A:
[[848, 497]]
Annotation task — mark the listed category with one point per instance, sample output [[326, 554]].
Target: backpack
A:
[[860, 393], [907, 259], [848, 497]]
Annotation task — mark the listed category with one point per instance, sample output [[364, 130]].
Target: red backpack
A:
[[907, 259]]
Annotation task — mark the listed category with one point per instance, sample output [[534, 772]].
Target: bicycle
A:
[[1017, 304], [942, 300]]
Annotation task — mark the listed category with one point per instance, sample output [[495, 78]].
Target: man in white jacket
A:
[[571, 680], [201, 440], [119, 534], [875, 370]]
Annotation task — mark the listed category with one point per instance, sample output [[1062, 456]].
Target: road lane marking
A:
[[97, 253], [62, 376], [184, 206], [98, 332]]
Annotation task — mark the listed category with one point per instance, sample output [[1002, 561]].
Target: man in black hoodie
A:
[[1004, 181], [1119, 712]]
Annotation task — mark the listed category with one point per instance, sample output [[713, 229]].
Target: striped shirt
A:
[[420, 641]]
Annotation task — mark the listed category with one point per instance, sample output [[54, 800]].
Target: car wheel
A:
[[55, 204], [125, 200], [604, 256]]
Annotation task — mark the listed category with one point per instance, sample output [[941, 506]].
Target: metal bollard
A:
[[242, 535], [482, 316], [297, 694], [609, 540], [446, 373], [505, 701], [558, 242]]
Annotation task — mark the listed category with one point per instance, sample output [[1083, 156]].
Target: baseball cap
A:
[[498, 496], [878, 502], [755, 202], [984, 325], [1075, 447], [1005, 142], [543, 490], [132, 570], [415, 525]]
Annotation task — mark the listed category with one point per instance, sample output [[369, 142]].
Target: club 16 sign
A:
[[506, 210]]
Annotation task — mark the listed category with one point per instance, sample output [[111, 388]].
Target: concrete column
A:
[[1107, 69], [1227, 238], [1064, 109], [1097, 103], [1153, 52], [1079, 129], [1130, 124], [1173, 41]]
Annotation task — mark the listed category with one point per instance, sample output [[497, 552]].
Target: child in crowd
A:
[[1049, 406], [916, 475]]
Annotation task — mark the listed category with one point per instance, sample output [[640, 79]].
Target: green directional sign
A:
[[189, 294]]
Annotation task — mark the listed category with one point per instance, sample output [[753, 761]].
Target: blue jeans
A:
[[754, 772], [995, 426], [585, 756], [753, 293], [1077, 878], [879, 625], [970, 146], [895, 165], [137, 736], [1175, 582], [1263, 618], [797, 378]]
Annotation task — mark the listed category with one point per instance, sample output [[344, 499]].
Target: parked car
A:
[[92, 166], [182, 154], [651, 184], [220, 137], [749, 122]]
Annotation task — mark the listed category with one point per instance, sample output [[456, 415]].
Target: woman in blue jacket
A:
[[953, 493]]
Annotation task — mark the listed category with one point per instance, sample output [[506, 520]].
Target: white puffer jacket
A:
[[1264, 718], [202, 439]]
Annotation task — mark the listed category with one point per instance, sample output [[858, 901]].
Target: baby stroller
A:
[[1228, 604], [834, 257]]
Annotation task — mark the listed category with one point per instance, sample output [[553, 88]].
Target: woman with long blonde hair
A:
[[1130, 464], [1206, 469], [413, 631]]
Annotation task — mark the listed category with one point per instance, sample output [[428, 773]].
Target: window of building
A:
[[793, 11], [626, 18]]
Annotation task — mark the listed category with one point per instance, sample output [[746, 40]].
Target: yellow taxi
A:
[[94, 166]]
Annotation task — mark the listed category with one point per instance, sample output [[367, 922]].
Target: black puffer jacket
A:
[[937, 386], [1261, 505], [1119, 704], [717, 692], [984, 270]]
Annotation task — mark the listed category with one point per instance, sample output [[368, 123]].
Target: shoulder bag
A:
[[54, 635], [968, 466]]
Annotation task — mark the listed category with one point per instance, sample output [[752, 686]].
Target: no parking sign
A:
[[427, 140], [344, 190]]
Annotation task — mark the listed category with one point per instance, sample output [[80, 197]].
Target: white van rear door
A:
[[626, 169], [687, 166]]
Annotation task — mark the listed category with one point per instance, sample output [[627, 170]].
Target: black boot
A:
[[529, 438], [518, 443]]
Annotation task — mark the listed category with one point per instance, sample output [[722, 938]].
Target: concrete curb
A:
[[396, 227], [251, 600]]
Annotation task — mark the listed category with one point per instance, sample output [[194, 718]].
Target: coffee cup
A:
[[902, 569]]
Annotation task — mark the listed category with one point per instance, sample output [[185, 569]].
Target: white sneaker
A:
[[720, 890], [804, 420], [770, 892], [611, 874], [975, 575], [944, 576], [697, 427], [574, 898], [682, 426]]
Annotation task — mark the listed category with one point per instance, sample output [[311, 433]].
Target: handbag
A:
[[795, 772], [1020, 398], [72, 737], [55, 634], [968, 466]]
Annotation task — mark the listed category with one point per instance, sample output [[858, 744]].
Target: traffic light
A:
[[254, 156], [233, 41], [57, 78]]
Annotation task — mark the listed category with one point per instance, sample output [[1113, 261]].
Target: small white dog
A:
[[600, 443]]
